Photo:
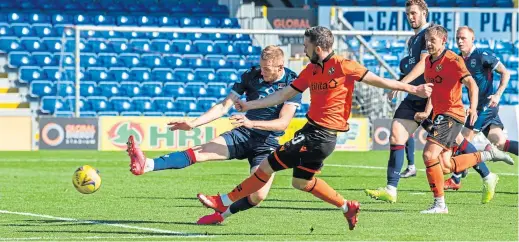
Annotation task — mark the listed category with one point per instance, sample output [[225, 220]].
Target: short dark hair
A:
[[320, 36], [438, 30]]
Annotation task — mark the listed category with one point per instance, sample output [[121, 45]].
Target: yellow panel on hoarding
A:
[[15, 133]]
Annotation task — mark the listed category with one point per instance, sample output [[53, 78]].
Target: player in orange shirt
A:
[[331, 80], [447, 71]]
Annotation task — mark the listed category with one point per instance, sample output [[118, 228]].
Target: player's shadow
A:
[[46, 222]]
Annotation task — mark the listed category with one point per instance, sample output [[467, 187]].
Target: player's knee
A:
[[257, 197], [427, 155], [446, 166], [299, 184]]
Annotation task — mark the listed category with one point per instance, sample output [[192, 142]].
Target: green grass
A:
[[40, 183]]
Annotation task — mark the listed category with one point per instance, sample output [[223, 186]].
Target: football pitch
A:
[[39, 202]]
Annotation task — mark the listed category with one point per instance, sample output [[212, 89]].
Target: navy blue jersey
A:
[[405, 68], [254, 87], [415, 47], [481, 65]]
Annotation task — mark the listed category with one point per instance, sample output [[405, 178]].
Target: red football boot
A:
[[351, 215], [214, 202], [137, 158], [215, 218]]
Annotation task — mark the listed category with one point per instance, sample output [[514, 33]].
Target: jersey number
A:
[[298, 139], [438, 119]]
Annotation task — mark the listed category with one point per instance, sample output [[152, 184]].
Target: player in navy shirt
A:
[[482, 64], [254, 137], [404, 123]]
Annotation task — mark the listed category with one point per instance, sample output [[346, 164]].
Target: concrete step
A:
[[15, 112], [12, 98], [4, 90]]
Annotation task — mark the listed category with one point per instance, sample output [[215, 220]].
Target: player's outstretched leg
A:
[[410, 171], [465, 147]]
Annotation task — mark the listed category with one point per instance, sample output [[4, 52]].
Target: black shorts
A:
[[245, 143], [305, 153], [444, 131], [408, 108], [486, 118]]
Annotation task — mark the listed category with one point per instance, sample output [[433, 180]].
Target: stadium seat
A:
[[140, 74], [17, 17], [478, 3], [109, 60], [219, 36], [183, 75], [205, 75], [65, 88], [61, 19], [23, 30], [46, 59], [99, 104], [51, 104], [98, 74], [164, 104], [119, 45], [8, 44], [230, 23], [237, 62], [126, 20], [121, 104], [152, 61], [168, 22], [52, 44], [88, 60], [143, 104], [174, 89], [209, 22], [218, 62], [151, 89], [64, 30], [130, 60], [186, 104], [84, 105], [120, 74], [196, 61], [217, 90], [108, 88], [28, 74], [87, 88], [189, 22], [41, 89], [226, 48], [183, 46], [175, 61], [205, 47], [140, 46], [19, 58], [130, 113], [513, 62], [5, 30], [195, 89], [31, 44], [205, 103], [129, 89], [227, 75], [152, 114], [102, 19], [82, 19], [162, 46], [162, 74], [99, 46]]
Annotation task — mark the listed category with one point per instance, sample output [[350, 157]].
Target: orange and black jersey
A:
[[331, 86], [446, 74]]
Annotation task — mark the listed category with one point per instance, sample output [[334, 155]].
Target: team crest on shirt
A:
[[473, 63], [439, 67], [331, 71]]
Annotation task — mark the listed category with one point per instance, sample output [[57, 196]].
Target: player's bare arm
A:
[[421, 116], [423, 90], [271, 100], [280, 124], [216, 112], [505, 77], [471, 85]]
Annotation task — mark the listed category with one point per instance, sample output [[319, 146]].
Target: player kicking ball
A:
[[331, 80], [254, 138], [447, 71]]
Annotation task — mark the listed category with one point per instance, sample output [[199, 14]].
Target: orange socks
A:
[[322, 190], [252, 184], [435, 176], [461, 162]]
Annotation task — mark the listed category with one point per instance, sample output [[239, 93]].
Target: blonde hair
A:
[[272, 52], [465, 28], [437, 30]]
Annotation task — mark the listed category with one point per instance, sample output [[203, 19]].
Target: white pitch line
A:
[[89, 237], [384, 168], [179, 234]]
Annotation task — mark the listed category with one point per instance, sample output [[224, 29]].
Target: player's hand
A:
[[424, 90], [473, 116], [421, 116], [494, 100], [240, 105], [181, 125], [392, 94], [239, 120]]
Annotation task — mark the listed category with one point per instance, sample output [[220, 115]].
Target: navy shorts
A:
[[486, 117], [408, 108], [245, 143], [444, 131]]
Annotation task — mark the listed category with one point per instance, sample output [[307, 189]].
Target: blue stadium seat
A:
[[196, 61], [107, 113], [218, 62], [88, 60], [230, 23], [8, 44], [186, 104], [151, 89], [383, 3], [140, 74], [17, 17], [5, 30], [42, 88], [83, 19], [183, 46], [92, 6], [120, 74], [210, 22], [205, 75], [162, 46], [31, 44], [482, 44], [87, 88], [99, 46], [237, 62], [45, 59], [112, 34], [61, 19], [478, 3], [65, 88], [23, 30], [175, 114], [140, 46], [102, 19], [99, 104], [130, 60], [152, 114], [175, 61], [164, 104], [513, 62], [220, 10], [501, 47], [64, 30], [195, 89], [134, 35], [121, 104], [99, 74], [183, 75], [143, 104], [130, 113], [52, 44], [126, 20], [505, 98], [51, 104], [149, 20], [30, 73], [44, 30], [84, 105], [205, 103], [189, 22], [174, 89], [205, 47], [227, 75], [168, 22], [241, 37], [119, 45], [162, 74], [109, 60], [217, 90], [130, 89], [152, 61], [108, 88], [19, 58], [226, 48], [392, 60]]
